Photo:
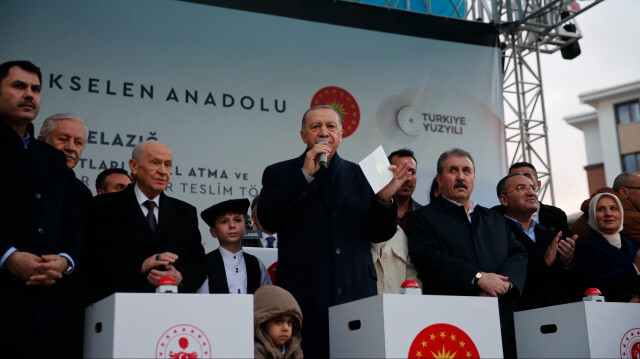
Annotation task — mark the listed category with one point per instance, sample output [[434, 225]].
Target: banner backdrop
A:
[[225, 90]]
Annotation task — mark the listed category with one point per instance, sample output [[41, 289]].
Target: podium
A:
[[579, 330], [414, 326], [145, 325]]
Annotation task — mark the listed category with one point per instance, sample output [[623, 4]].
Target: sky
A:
[[610, 56]]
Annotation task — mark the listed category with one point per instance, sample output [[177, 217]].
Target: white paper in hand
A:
[[376, 169]]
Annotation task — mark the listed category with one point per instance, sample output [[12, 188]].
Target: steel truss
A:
[[527, 28]]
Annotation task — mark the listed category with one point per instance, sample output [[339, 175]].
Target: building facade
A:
[[611, 132]]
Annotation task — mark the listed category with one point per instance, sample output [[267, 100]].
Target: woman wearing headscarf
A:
[[608, 259]]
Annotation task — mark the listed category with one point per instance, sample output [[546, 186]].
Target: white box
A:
[[400, 326], [579, 330], [145, 325]]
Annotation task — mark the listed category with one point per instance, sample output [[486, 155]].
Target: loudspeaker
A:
[[572, 50]]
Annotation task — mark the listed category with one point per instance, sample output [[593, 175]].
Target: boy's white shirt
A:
[[236, 271]]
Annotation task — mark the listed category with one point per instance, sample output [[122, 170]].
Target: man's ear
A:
[[624, 192], [213, 232], [503, 200], [133, 166], [439, 180]]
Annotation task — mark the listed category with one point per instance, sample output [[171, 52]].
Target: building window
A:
[[627, 112], [631, 162]]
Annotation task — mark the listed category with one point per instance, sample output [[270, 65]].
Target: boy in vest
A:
[[229, 269]]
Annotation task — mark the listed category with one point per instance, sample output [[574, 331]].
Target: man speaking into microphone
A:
[[326, 215]]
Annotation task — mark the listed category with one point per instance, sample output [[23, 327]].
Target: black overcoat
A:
[[325, 230], [35, 217]]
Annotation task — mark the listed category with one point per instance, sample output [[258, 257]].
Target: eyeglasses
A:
[[632, 187], [523, 188]]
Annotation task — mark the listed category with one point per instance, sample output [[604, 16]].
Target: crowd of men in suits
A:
[[331, 228]]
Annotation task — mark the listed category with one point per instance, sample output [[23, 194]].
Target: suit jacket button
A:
[[41, 230], [337, 250], [38, 196]]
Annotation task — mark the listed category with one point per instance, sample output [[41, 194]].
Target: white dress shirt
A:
[[142, 198], [236, 272], [263, 239]]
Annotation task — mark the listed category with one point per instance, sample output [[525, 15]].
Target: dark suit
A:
[[605, 266], [118, 239], [81, 195], [550, 217], [35, 217], [448, 251], [554, 219], [324, 233], [545, 286]]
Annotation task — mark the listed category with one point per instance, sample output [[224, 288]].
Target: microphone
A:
[[323, 156]]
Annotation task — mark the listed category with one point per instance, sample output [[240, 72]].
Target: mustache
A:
[[27, 102], [70, 154], [461, 185], [408, 184]]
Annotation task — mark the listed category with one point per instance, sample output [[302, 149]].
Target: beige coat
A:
[[270, 301], [392, 262]]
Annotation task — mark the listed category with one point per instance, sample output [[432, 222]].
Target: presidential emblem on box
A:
[[416, 326]]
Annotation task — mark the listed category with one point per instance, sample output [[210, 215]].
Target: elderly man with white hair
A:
[[67, 132], [137, 236]]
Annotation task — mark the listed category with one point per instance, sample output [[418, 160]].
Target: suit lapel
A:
[[17, 164], [343, 181], [13, 144], [318, 185], [135, 211], [167, 212], [483, 248]]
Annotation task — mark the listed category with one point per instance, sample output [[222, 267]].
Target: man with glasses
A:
[[462, 248], [550, 269], [626, 187], [550, 217]]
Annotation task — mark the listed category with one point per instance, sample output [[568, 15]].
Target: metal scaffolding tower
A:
[[527, 28]]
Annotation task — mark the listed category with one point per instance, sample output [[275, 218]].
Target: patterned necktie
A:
[[270, 241], [151, 218]]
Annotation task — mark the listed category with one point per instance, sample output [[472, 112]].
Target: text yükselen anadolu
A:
[[148, 92]]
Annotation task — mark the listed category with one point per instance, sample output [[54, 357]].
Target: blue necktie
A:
[[270, 241]]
